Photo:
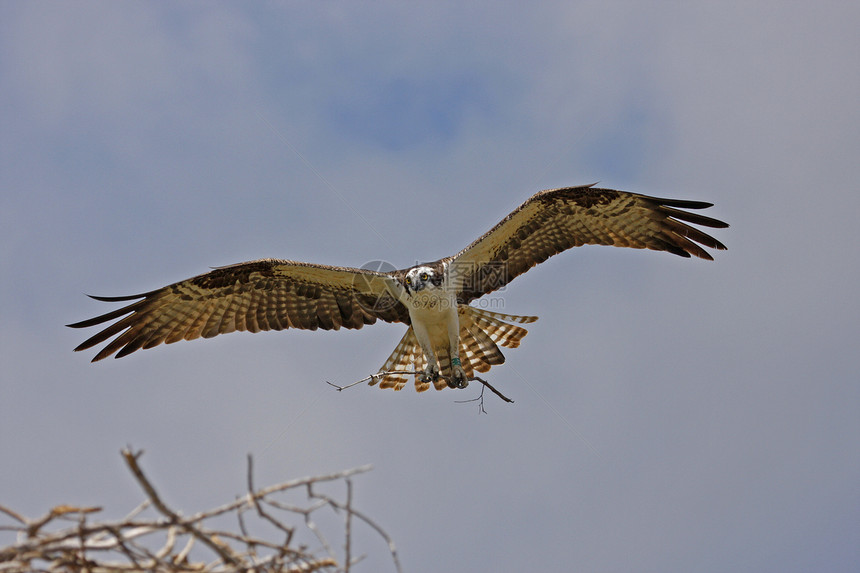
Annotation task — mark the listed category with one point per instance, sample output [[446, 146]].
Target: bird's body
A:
[[447, 339]]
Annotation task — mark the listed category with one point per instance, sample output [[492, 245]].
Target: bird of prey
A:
[[447, 339]]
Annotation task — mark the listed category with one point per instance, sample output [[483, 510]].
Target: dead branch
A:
[[155, 537], [380, 375], [479, 399]]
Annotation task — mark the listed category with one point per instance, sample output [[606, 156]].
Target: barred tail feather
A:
[[478, 348], [481, 331], [401, 359], [496, 325], [500, 316], [481, 334]]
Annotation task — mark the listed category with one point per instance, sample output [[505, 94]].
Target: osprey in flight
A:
[[447, 339]]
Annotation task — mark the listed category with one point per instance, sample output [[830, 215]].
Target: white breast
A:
[[433, 312]]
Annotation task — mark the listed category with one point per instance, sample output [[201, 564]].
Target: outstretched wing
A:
[[552, 221], [258, 295]]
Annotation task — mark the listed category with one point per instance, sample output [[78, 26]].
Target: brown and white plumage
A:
[[259, 295], [480, 333], [445, 336], [555, 220]]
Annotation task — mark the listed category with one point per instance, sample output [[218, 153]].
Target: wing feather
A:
[[258, 295], [555, 220]]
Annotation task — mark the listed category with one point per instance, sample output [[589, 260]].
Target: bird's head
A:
[[419, 278]]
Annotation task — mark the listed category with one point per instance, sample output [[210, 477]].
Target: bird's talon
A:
[[430, 374], [458, 377]]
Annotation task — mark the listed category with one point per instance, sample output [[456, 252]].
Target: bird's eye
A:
[[408, 281], [423, 276]]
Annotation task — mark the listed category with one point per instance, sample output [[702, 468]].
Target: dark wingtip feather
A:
[[677, 219], [683, 203], [121, 298], [97, 338], [112, 314], [673, 209]]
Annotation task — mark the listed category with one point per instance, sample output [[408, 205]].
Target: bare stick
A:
[[365, 519], [67, 539], [380, 375], [479, 400], [221, 549], [347, 561], [494, 391]]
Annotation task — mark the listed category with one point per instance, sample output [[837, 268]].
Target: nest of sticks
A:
[[268, 533]]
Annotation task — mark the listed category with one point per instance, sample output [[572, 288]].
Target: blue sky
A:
[[669, 415]]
